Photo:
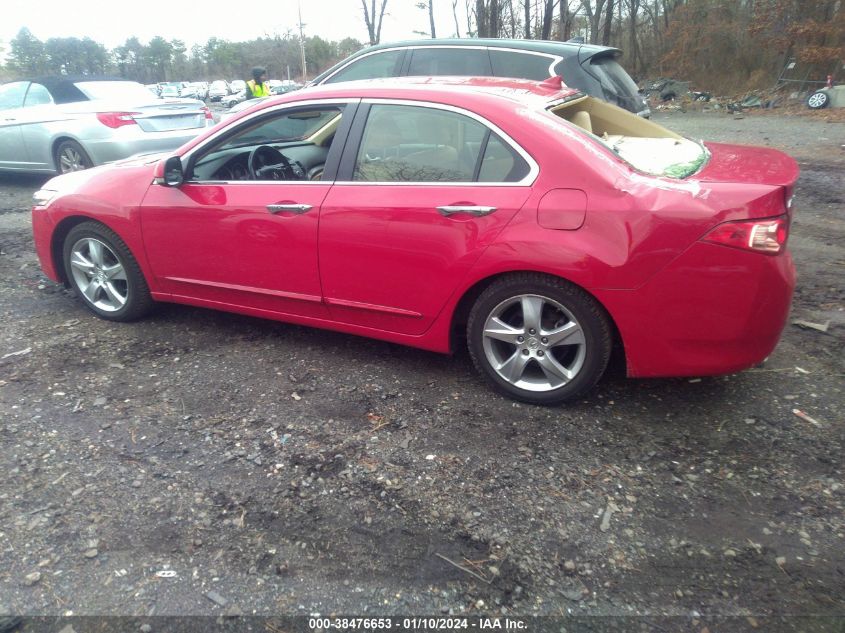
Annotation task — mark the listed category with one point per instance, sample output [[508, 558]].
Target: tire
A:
[[558, 359], [70, 156], [818, 100], [104, 274]]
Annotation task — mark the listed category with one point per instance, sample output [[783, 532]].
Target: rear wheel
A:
[[818, 100], [70, 156], [538, 339], [103, 272]]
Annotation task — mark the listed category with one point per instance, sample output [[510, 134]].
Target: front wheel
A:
[[539, 339], [103, 272]]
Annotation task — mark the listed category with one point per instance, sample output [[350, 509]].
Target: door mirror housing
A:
[[173, 175]]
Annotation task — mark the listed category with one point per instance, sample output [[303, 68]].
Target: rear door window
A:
[[405, 143], [520, 65], [375, 66], [461, 61]]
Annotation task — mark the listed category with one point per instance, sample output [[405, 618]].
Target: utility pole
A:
[[302, 44]]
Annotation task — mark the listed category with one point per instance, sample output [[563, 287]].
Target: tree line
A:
[[170, 60], [721, 45]]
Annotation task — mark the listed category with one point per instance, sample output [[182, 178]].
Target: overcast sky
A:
[[193, 22]]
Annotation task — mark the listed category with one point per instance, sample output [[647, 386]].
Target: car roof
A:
[[560, 49], [540, 46], [538, 94]]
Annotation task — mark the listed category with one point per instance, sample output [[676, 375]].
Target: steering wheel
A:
[[268, 163]]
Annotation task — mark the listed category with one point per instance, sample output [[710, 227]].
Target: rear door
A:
[[423, 190], [12, 152]]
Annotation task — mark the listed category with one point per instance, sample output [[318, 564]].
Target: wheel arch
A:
[[57, 242], [460, 314], [58, 140]]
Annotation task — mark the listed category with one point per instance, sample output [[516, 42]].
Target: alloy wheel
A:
[[99, 275], [534, 343]]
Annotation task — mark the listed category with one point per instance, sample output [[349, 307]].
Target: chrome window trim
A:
[[526, 181], [187, 156], [556, 59]]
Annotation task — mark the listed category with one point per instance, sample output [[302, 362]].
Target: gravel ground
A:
[[207, 463]]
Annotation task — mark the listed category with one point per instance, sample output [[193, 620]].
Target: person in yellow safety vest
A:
[[256, 87]]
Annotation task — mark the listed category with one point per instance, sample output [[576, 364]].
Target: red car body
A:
[[377, 260]]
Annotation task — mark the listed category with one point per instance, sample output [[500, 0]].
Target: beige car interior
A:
[[645, 145]]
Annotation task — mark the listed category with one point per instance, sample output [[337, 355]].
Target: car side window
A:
[[460, 61], [520, 65], [501, 163], [37, 95], [11, 95], [373, 66], [292, 144], [405, 143]]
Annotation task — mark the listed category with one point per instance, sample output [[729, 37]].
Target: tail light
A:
[[115, 120], [762, 236], [207, 112]]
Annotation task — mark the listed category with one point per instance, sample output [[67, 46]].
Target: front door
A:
[[242, 230]]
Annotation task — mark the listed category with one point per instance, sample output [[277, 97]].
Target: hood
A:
[[744, 164]]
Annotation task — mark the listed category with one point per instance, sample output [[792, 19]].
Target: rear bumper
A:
[[107, 150], [714, 310]]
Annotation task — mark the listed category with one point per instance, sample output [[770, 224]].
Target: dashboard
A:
[[279, 161]]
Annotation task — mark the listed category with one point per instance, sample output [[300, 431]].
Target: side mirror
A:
[[173, 176]]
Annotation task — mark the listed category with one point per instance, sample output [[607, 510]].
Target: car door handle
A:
[[477, 211], [292, 208]]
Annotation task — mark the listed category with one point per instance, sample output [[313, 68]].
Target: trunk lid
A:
[[744, 164]]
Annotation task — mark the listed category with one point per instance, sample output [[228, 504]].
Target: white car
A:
[[59, 125], [217, 90]]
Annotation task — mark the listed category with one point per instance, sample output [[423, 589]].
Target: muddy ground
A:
[[205, 463]]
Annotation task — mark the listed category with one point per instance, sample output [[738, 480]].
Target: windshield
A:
[[122, 90], [617, 85]]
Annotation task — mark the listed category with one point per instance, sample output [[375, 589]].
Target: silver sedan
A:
[[59, 125]]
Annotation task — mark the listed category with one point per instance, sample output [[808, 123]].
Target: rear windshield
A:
[[616, 84], [120, 90]]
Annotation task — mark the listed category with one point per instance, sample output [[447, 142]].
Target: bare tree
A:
[[565, 21], [527, 6], [455, 16], [608, 23], [428, 5], [373, 23], [548, 14]]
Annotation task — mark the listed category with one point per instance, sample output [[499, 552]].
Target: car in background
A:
[[833, 96], [234, 98], [202, 89], [172, 89], [217, 90], [280, 87], [594, 70], [188, 90], [240, 106], [536, 223], [64, 124], [154, 89]]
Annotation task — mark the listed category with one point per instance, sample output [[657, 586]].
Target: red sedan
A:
[[543, 224]]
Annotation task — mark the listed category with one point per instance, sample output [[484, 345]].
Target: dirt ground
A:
[[205, 463]]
